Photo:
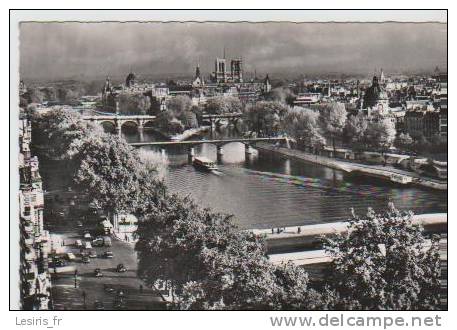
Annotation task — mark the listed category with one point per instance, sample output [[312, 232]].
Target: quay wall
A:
[[338, 164], [290, 240]]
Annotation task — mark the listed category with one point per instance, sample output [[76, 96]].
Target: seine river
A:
[[267, 190]]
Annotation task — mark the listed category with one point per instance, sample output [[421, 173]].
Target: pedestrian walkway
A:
[[347, 166]]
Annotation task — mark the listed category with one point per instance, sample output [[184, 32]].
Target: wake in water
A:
[[217, 172], [307, 182]]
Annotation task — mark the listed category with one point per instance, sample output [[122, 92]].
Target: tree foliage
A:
[[221, 104], [404, 141], [333, 120], [381, 133], [178, 105], [303, 125], [59, 134], [138, 104], [356, 131], [212, 265], [382, 263], [265, 117]]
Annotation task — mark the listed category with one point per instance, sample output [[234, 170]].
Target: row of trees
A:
[[382, 263], [420, 144], [364, 133], [331, 123]]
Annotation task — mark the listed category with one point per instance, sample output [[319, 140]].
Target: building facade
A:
[[35, 280], [221, 73]]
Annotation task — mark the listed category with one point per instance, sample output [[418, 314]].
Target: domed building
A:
[[375, 98]]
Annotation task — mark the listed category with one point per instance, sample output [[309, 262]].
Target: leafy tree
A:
[[221, 104], [265, 116], [110, 171], [382, 262], [333, 120], [356, 129], [236, 277], [282, 95], [59, 134], [241, 278], [294, 292], [303, 125], [404, 141], [138, 104], [381, 133], [169, 123], [209, 264], [189, 119], [178, 105], [171, 238]]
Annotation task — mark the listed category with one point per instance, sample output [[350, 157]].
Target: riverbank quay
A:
[[290, 239], [382, 172], [302, 249]]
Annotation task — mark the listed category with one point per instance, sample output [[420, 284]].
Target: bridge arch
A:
[[129, 123], [108, 126], [148, 123]]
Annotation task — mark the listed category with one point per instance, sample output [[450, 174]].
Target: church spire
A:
[[197, 71]]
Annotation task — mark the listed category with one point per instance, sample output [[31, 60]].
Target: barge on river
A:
[[204, 163]]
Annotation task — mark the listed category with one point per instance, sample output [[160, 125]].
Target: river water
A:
[[265, 190]]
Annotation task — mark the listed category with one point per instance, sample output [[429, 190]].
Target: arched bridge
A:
[[140, 121], [248, 142], [215, 118]]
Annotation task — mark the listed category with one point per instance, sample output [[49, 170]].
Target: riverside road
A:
[[90, 288]]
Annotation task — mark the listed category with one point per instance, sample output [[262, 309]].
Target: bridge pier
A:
[[220, 154], [248, 149], [141, 131], [191, 154]]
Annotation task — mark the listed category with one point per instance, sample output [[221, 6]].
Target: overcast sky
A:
[[65, 50]]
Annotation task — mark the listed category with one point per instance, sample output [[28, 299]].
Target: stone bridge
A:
[[219, 143], [232, 117], [140, 121]]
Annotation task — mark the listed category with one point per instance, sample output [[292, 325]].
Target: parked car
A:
[[98, 306], [87, 235], [85, 259], [108, 288], [78, 243], [92, 254], [70, 256], [108, 254], [57, 262], [87, 245], [98, 272], [121, 268]]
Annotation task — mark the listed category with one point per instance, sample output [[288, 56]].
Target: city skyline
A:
[[100, 49]]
